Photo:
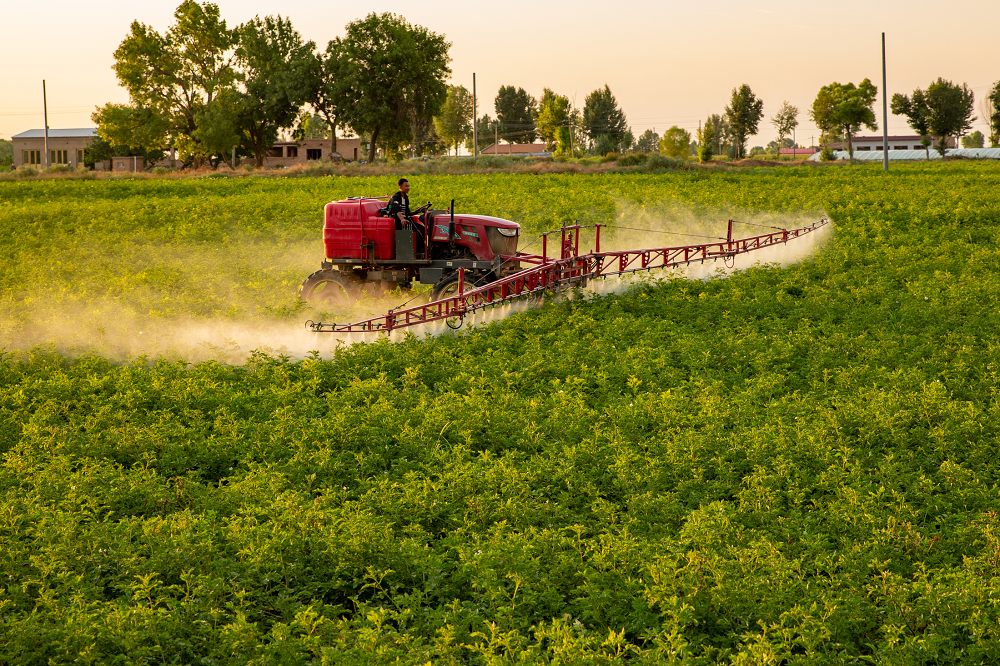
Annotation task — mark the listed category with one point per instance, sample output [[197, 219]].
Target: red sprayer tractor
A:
[[473, 261]]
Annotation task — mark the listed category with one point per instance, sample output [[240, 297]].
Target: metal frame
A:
[[570, 270]]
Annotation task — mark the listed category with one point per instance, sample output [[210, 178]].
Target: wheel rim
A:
[[330, 293]]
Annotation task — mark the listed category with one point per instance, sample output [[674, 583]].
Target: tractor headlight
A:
[[508, 232]]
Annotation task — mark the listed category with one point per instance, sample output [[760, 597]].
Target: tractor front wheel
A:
[[328, 288], [446, 287]]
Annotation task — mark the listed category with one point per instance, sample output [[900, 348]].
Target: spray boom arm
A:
[[570, 270]]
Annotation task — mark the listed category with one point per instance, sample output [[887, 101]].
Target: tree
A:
[[6, 153], [275, 71], [951, 108], [332, 95], [454, 122], [648, 142], [603, 117], [706, 140], [397, 74], [177, 77], [553, 120], [676, 142], [785, 121], [991, 113], [487, 130], [516, 111], [723, 135], [914, 109], [743, 113], [125, 130], [974, 140], [313, 126], [845, 109]]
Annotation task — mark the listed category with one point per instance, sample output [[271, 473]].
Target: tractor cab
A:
[[365, 252], [361, 229]]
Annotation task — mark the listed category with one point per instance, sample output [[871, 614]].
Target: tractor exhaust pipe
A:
[[451, 224]]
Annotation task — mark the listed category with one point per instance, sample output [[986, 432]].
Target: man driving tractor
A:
[[399, 205]]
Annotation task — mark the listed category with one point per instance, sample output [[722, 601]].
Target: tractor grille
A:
[[501, 244]]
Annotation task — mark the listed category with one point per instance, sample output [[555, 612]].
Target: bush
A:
[[705, 153], [632, 159], [827, 154], [610, 157], [659, 161], [27, 172]]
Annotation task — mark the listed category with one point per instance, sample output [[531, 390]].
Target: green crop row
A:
[[789, 465]]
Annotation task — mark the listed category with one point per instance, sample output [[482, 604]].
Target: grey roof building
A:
[[66, 146]]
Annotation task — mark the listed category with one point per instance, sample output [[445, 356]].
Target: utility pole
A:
[[885, 114], [45, 110], [475, 130]]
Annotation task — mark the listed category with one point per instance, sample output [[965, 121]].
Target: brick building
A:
[[66, 146], [290, 153]]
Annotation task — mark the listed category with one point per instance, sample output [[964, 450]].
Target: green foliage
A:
[[6, 153], [917, 114], [827, 154], [786, 465], [950, 110], [454, 121], [397, 73], [603, 117], [487, 130], [991, 113], [707, 139], [553, 121], [331, 89], [175, 79], [785, 121], [605, 144], [516, 111], [974, 140], [632, 159], [743, 115], [647, 142], [276, 68], [676, 143], [844, 109]]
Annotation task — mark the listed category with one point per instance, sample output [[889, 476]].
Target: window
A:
[[274, 152], [878, 147], [59, 157], [314, 153], [864, 147], [292, 151], [79, 156], [31, 156]]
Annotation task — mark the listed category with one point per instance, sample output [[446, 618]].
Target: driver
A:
[[399, 205]]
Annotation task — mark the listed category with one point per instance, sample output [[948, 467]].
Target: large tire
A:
[[329, 288], [445, 287], [448, 285]]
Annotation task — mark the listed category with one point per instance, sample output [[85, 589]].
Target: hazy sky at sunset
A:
[[668, 63]]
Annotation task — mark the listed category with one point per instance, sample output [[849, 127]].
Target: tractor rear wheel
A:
[[328, 288]]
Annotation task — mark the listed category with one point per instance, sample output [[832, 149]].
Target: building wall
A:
[[291, 153], [69, 148]]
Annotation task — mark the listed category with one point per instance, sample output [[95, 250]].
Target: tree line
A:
[[206, 89], [943, 110], [210, 91]]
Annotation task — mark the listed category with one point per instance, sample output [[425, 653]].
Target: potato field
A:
[[788, 465]]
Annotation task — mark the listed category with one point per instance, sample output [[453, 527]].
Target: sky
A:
[[667, 63]]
